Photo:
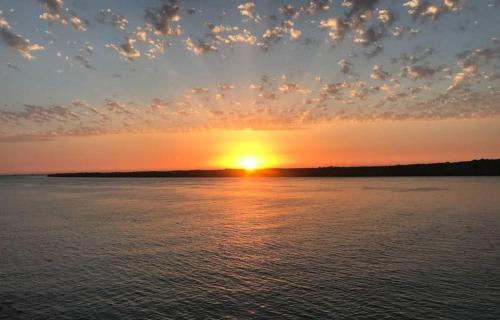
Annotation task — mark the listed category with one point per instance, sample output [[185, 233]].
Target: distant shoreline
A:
[[481, 167]]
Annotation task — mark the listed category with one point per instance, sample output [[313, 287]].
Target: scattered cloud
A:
[[54, 13], [378, 73], [111, 18], [163, 18], [418, 72], [126, 50], [22, 45], [368, 59], [12, 66]]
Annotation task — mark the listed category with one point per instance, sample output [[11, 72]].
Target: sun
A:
[[249, 163], [247, 150]]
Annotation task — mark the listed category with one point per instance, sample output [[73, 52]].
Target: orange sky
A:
[[339, 143]]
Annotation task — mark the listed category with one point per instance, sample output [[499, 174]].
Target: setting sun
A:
[[249, 163], [249, 150]]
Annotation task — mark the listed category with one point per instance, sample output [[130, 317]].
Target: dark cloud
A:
[[53, 10], [111, 18], [54, 13], [378, 73], [13, 67], [84, 61], [23, 46], [360, 7], [163, 17], [418, 72], [289, 12]]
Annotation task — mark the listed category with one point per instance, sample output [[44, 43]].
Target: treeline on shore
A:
[[481, 167]]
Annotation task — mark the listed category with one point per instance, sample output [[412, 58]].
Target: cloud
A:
[[243, 37], [399, 31], [201, 47], [23, 46], [360, 7], [225, 86], [417, 72], [247, 10], [452, 5], [375, 51], [355, 73], [53, 10], [423, 9], [84, 105], [288, 87], [345, 66], [228, 35], [199, 90], [117, 107], [314, 6], [378, 73], [84, 61], [77, 23], [276, 33], [385, 16], [39, 114], [157, 105], [126, 50], [336, 26], [13, 67], [289, 11], [162, 18], [54, 13], [466, 72], [367, 37], [114, 19], [87, 48]]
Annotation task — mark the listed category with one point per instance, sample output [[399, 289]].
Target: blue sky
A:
[[239, 65]]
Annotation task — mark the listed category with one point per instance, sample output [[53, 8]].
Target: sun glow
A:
[[248, 150], [249, 163]]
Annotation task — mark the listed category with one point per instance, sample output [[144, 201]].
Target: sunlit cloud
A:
[[126, 50], [54, 13], [378, 73], [418, 72], [247, 10], [23, 46]]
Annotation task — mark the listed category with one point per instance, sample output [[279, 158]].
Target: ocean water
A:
[[271, 248]]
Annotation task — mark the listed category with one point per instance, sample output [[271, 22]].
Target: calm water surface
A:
[[279, 248]]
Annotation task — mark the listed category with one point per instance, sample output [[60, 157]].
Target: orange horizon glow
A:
[[342, 144], [249, 151]]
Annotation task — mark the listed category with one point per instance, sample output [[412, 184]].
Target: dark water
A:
[[279, 248]]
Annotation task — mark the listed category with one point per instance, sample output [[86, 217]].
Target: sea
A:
[[250, 248]]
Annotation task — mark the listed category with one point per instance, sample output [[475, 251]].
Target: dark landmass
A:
[[22, 175], [465, 168]]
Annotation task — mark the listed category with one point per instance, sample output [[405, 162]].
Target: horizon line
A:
[[46, 173]]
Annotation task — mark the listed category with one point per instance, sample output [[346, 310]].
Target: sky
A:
[[150, 85]]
